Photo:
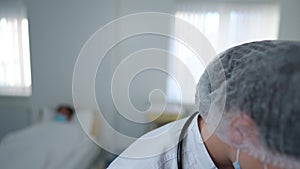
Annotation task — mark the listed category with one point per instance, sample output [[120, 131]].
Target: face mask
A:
[[60, 118], [237, 165]]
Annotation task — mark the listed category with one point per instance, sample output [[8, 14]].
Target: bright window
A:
[[224, 25], [15, 71]]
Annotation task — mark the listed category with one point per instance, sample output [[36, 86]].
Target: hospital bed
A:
[[51, 145]]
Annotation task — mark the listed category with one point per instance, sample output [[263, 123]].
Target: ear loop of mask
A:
[[236, 164], [265, 163]]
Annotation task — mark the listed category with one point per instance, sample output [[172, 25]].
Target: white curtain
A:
[[15, 71], [225, 25]]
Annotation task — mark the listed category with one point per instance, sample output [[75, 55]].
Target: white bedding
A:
[[48, 145]]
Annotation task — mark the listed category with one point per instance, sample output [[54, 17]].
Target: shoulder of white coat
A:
[[152, 149]]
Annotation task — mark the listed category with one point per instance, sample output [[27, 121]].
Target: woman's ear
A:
[[242, 130]]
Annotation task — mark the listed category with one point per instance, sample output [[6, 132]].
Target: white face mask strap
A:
[[237, 158], [265, 162], [265, 165], [236, 164]]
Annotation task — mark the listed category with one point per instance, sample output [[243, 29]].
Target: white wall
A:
[[58, 30], [290, 20]]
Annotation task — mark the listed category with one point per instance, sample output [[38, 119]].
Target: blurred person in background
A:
[[64, 113]]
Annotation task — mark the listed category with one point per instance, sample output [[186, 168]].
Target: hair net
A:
[[262, 81]]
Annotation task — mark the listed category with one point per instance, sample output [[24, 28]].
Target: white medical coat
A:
[[194, 151]]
